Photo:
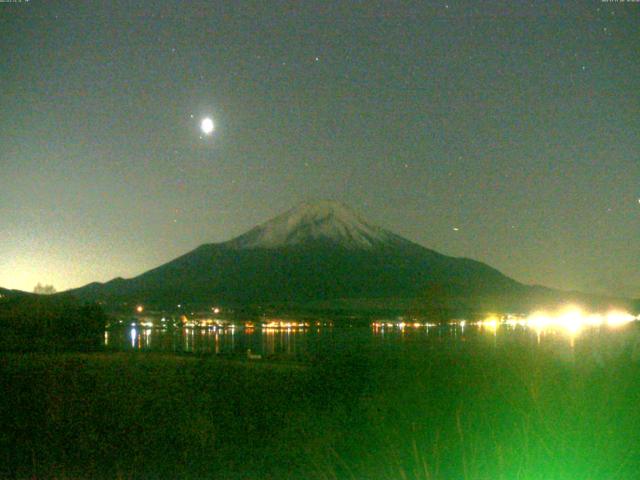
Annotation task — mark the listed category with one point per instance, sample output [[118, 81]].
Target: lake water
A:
[[595, 344]]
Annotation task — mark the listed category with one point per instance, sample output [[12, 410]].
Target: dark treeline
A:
[[45, 323]]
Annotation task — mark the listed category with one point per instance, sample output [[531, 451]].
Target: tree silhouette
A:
[[44, 289]]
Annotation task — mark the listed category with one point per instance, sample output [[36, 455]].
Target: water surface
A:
[[591, 344]]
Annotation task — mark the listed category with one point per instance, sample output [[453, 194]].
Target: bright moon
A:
[[207, 126]]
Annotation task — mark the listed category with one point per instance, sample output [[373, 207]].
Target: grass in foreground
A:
[[474, 413]]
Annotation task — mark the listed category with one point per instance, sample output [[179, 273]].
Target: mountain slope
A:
[[318, 254], [7, 293]]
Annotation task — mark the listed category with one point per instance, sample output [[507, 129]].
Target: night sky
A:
[[508, 132]]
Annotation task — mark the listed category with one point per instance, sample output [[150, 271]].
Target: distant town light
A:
[[139, 309], [490, 323]]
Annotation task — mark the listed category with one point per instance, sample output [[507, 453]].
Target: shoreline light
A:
[[571, 319]]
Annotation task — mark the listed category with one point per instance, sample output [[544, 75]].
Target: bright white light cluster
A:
[[207, 126], [571, 319]]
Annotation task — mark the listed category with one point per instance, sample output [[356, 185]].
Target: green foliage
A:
[[488, 412], [149, 416], [44, 289], [37, 323]]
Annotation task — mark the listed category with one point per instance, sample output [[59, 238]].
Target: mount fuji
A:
[[324, 256]]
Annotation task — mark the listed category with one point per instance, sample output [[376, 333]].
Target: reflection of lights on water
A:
[[282, 336], [147, 336], [106, 338]]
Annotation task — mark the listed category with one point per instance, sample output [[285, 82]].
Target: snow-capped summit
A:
[[324, 220]]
